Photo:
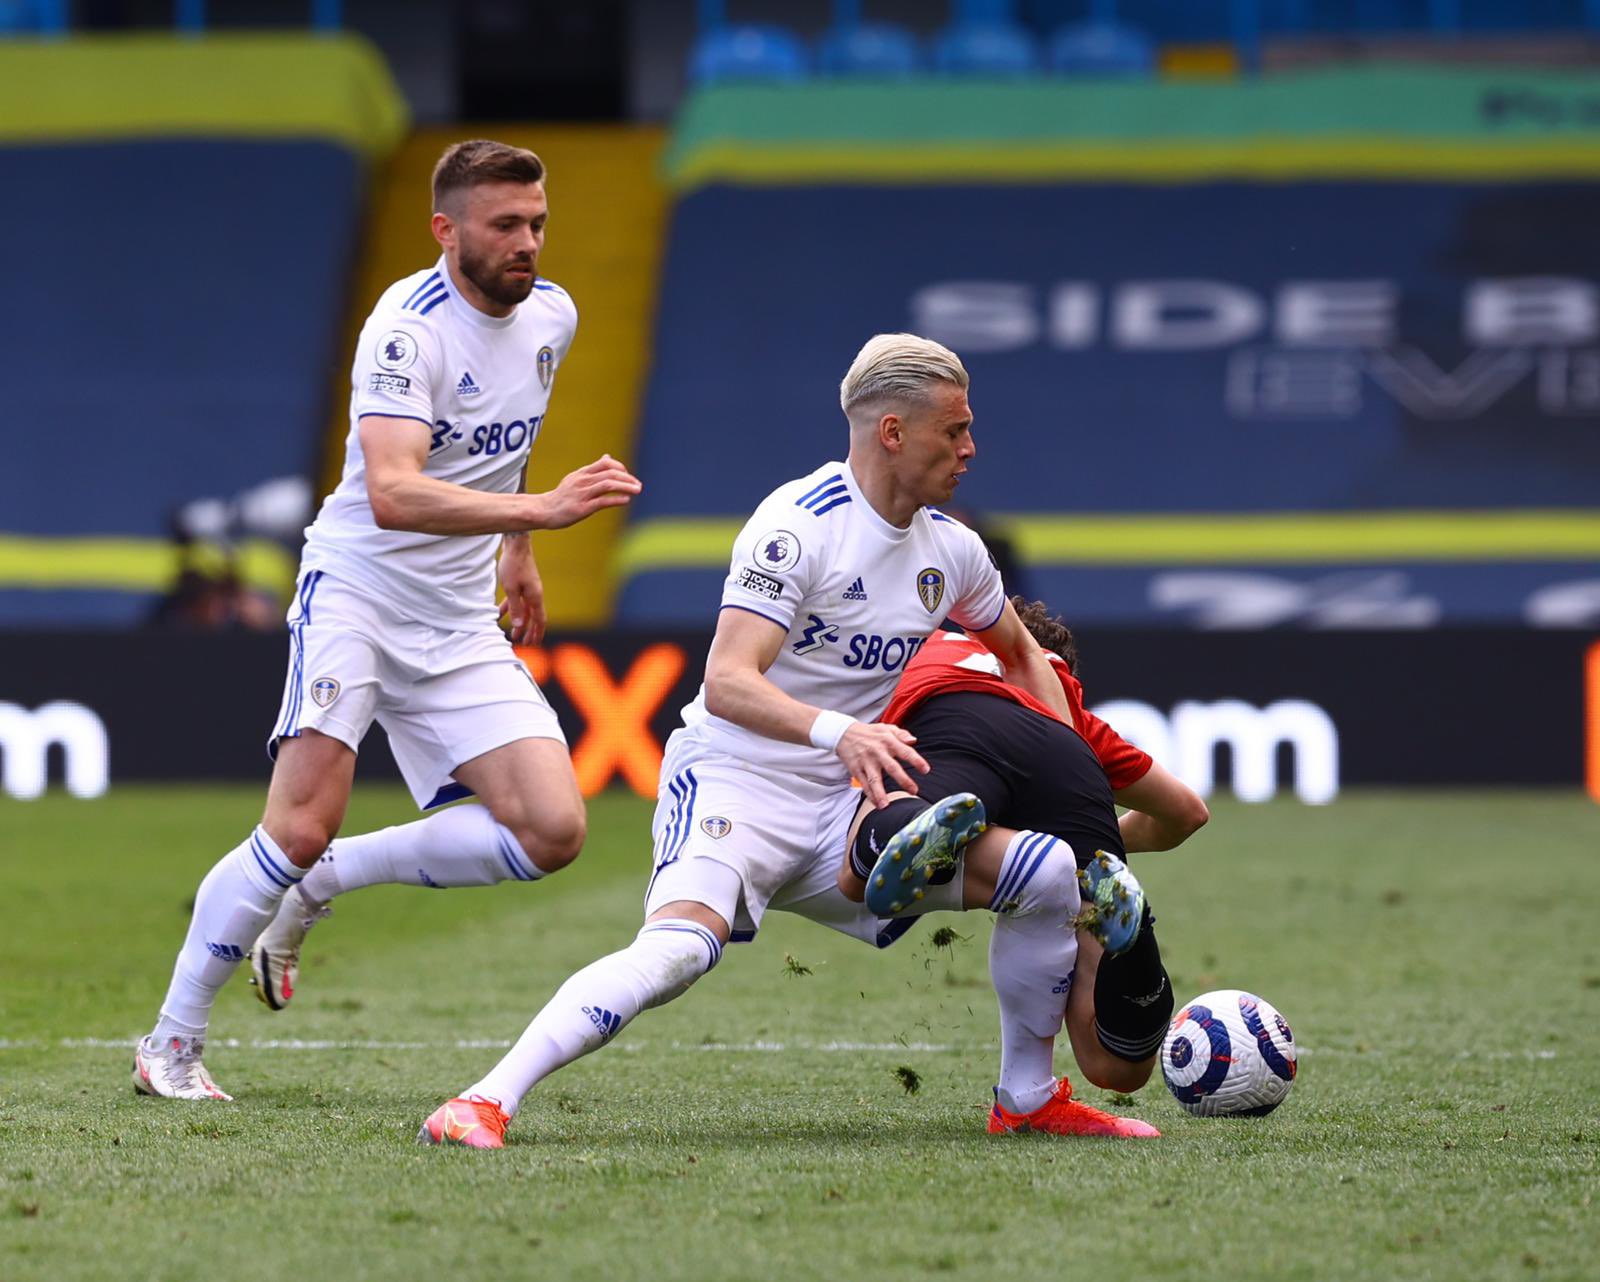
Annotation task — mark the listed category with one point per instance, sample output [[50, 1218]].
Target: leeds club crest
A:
[[930, 588]]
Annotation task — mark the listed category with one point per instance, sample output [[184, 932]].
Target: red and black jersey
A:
[[952, 661]]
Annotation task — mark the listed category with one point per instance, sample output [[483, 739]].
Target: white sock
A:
[[462, 846], [233, 905], [594, 1005], [1031, 958]]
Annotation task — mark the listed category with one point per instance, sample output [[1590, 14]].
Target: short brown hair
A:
[[1048, 630], [466, 164]]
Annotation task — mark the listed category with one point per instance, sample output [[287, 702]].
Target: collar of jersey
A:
[[869, 514], [468, 312]]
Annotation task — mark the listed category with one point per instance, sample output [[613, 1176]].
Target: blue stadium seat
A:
[[964, 12], [1101, 49], [18, 15], [872, 49], [748, 53], [986, 49]]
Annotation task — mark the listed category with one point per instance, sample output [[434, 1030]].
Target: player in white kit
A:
[[394, 616], [836, 581]]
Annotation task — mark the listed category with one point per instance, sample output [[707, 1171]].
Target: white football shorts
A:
[[781, 837], [442, 697]]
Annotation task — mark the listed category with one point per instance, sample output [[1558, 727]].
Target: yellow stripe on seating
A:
[[133, 565], [1257, 539], [1286, 160]]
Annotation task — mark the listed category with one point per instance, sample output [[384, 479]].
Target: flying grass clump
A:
[[910, 1080]]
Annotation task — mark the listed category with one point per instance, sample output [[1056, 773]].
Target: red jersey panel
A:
[[951, 661]]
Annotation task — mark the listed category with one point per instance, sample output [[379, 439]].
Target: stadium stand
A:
[[185, 250], [1302, 349]]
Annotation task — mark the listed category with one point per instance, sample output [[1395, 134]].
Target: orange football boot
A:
[[475, 1123], [1063, 1115]]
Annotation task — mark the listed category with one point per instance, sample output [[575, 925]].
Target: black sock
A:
[[877, 828], [1133, 998]]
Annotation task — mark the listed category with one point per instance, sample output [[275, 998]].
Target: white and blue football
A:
[[1228, 1054]]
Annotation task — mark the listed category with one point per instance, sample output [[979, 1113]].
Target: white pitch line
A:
[[483, 1043], [726, 1048]]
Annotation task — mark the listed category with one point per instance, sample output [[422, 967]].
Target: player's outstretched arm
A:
[[1026, 666], [1163, 811], [737, 690], [403, 498]]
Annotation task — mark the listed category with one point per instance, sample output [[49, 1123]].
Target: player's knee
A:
[[303, 837], [674, 952], [551, 839], [1037, 876]]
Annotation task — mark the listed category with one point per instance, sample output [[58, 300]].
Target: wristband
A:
[[829, 728]]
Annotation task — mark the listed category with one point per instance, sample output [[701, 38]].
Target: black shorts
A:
[[1029, 770]]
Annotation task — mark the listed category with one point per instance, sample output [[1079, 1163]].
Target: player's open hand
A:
[[522, 610], [876, 752], [601, 484]]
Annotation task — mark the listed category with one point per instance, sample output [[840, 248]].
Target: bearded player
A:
[[394, 615]]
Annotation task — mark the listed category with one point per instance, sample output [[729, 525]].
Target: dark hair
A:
[[466, 164], [1048, 630]]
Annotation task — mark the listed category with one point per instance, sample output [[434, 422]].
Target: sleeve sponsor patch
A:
[[388, 383], [754, 581]]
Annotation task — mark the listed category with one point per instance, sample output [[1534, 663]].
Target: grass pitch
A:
[[1436, 955]]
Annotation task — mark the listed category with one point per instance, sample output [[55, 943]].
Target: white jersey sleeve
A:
[[398, 368], [773, 570], [979, 597]]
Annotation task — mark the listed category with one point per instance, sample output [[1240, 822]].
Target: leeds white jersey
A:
[[857, 597], [481, 383]]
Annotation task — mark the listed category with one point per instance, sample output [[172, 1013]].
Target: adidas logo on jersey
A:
[[466, 387], [855, 592]]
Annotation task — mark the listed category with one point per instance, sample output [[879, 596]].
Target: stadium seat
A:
[[19, 15], [748, 53], [1101, 49], [985, 49], [874, 49], [963, 12]]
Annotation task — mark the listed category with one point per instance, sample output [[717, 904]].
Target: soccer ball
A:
[[1228, 1054]]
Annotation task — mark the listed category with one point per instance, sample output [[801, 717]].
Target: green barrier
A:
[[98, 88], [672, 543], [1424, 122]]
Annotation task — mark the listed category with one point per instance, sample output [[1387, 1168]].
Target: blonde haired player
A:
[[836, 581], [394, 616]]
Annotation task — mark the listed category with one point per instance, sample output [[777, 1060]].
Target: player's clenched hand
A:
[[602, 484], [874, 752]]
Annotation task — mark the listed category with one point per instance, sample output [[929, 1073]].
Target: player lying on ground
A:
[[985, 738], [394, 617], [836, 581]]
